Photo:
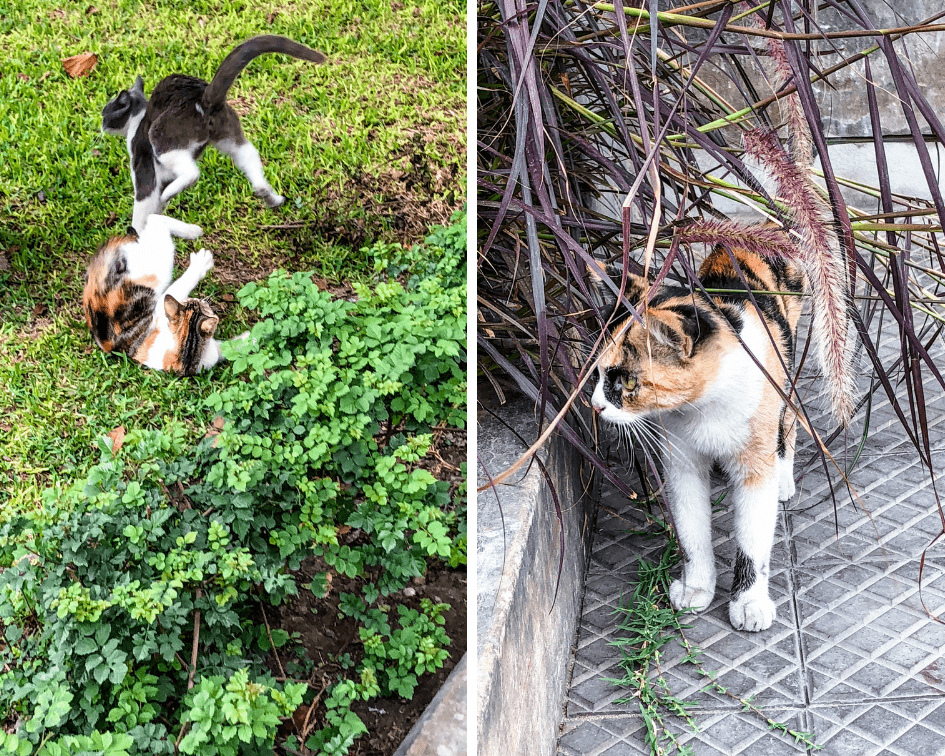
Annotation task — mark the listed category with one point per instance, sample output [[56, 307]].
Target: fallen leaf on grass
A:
[[4, 263], [215, 427], [117, 437], [80, 65]]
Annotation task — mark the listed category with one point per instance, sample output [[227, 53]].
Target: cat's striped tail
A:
[[215, 94]]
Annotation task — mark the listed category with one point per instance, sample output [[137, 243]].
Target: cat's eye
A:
[[627, 383]]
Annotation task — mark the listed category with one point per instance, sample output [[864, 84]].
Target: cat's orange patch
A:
[[171, 364], [113, 300], [144, 350], [150, 281], [716, 264]]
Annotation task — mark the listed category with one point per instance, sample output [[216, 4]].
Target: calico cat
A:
[[131, 306], [166, 134], [686, 382]]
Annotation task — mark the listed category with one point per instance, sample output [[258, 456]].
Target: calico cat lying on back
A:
[[686, 382], [166, 134], [131, 306]]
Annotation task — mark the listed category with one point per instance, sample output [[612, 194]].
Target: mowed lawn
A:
[[368, 147]]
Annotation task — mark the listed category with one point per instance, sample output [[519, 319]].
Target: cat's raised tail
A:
[[215, 94]]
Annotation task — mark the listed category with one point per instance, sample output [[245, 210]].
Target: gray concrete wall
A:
[[843, 105], [525, 633]]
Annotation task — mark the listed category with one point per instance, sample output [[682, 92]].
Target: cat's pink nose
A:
[[598, 409]]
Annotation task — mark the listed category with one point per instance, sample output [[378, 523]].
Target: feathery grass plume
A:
[[780, 72], [821, 254], [823, 261], [802, 146], [756, 238]]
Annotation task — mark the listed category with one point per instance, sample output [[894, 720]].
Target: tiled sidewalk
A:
[[852, 657]]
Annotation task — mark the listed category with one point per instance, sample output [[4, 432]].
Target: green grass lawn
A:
[[369, 147]]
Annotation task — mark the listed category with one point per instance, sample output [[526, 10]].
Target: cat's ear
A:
[[138, 86], [681, 329], [633, 291], [132, 232], [671, 336], [208, 326], [171, 307]]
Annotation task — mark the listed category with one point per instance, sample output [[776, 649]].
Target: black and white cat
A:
[[166, 134]]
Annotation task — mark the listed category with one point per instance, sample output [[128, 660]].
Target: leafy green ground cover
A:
[[147, 580], [129, 596]]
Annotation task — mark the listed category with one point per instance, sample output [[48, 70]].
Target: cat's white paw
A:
[[683, 596], [753, 614], [274, 200], [201, 262]]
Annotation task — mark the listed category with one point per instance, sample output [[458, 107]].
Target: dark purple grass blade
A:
[[879, 149]]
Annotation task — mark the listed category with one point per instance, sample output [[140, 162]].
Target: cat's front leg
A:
[[144, 209], [201, 263], [687, 489], [756, 514]]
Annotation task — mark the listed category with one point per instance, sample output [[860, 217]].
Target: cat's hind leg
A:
[[174, 227], [687, 489], [182, 169], [246, 157], [787, 441]]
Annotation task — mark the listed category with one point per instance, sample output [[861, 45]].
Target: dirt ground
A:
[[325, 637]]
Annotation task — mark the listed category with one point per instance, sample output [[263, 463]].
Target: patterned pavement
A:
[[852, 657]]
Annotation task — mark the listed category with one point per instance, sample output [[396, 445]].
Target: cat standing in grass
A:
[[682, 380], [131, 306], [166, 134]]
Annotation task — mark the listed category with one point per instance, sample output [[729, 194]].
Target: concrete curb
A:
[[441, 730], [525, 632]]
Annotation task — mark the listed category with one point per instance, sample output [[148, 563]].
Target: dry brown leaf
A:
[[117, 437], [215, 427], [80, 65], [328, 578]]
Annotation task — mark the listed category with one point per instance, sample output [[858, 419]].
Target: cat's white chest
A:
[[718, 425]]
